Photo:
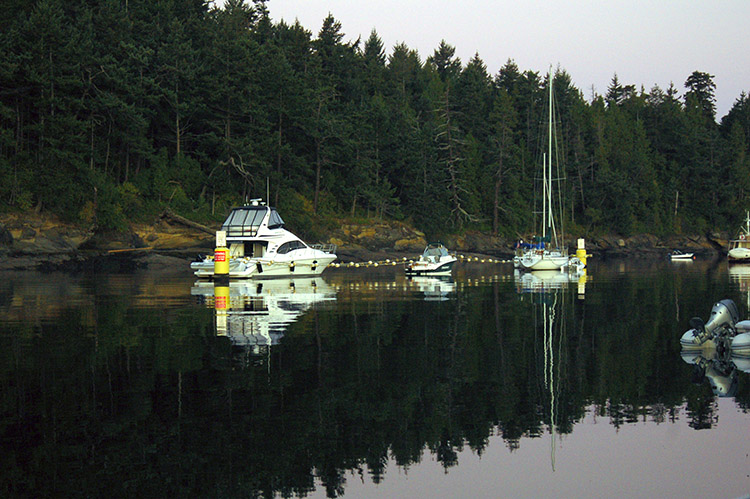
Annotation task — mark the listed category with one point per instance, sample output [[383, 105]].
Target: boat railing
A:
[[325, 247]]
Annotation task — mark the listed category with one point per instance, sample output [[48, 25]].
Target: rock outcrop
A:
[[42, 241]]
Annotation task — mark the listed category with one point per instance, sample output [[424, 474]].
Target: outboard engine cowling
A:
[[721, 323]]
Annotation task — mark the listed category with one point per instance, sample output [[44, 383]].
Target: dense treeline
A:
[[112, 109]]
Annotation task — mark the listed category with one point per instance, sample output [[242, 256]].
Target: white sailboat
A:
[[739, 248], [546, 254]]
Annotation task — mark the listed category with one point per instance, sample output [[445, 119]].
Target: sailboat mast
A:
[[545, 188], [548, 221]]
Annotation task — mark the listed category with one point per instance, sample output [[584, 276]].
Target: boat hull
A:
[[259, 268], [543, 261], [420, 268], [738, 255], [741, 345], [685, 257]]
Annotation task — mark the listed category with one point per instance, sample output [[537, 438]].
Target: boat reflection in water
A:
[[546, 280], [740, 276], [718, 367], [254, 315], [718, 348], [435, 288], [548, 291]]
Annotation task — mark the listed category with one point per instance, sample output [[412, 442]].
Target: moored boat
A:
[[435, 260], [679, 256], [739, 248], [260, 247], [546, 253]]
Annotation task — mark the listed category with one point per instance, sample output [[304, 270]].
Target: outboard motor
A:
[[724, 316]]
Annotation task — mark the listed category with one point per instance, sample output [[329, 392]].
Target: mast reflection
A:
[[548, 291]]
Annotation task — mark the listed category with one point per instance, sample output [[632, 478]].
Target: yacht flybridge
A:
[[260, 247]]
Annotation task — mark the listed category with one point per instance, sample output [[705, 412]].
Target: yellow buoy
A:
[[221, 255], [221, 262], [581, 251]]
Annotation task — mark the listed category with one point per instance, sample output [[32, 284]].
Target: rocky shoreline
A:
[[35, 242]]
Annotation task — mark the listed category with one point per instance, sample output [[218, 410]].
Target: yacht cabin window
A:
[[290, 246]]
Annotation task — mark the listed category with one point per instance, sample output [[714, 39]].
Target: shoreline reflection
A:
[[365, 378]]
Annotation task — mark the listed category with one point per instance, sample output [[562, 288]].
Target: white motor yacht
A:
[[260, 247]]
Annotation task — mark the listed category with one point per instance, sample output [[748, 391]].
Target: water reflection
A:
[[255, 314], [548, 293], [545, 280], [362, 379], [739, 275], [434, 288], [716, 367]]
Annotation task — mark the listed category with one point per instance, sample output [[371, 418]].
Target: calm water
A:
[[363, 383]]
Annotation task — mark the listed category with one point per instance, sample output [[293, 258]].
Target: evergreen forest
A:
[[113, 110]]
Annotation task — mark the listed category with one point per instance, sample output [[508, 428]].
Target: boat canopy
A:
[[539, 245], [245, 221]]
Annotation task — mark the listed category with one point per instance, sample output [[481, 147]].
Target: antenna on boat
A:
[[268, 191]]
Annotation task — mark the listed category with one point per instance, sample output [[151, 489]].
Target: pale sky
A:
[[646, 42]]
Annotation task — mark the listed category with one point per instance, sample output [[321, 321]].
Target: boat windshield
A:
[[245, 221], [290, 246], [435, 250], [275, 221]]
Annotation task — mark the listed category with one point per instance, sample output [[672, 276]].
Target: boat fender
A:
[[291, 267], [259, 267], [314, 265]]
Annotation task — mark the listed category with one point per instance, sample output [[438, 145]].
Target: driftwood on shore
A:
[[170, 215]]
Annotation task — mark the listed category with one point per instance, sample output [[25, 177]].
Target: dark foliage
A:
[[111, 110]]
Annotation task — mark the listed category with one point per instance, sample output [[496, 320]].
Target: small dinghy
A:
[[679, 256], [722, 331]]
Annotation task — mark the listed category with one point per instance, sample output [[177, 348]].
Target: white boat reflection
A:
[[718, 348], [434, 288], [718, 366], [740, 275], [547, 280], [256, 314]]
